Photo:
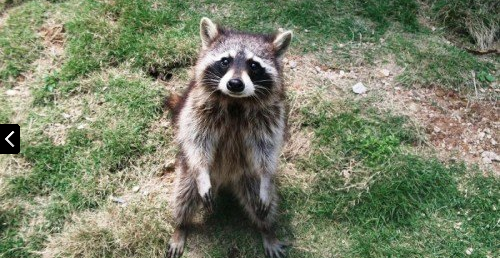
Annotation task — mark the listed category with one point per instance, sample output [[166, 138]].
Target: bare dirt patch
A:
[[457, 126], [53, 36], [460, 128]]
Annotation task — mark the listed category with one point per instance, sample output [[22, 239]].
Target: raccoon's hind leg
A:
[[186, 204], [248, 195]]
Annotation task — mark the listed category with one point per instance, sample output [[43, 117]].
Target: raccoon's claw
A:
[[175, 250], [275, 250], [262, 209], [208, 201]]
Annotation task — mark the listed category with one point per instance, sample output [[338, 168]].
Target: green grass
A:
[[394, 202], [5, 112], [69, 172], [93, 131], [435, 64], [11, 243], [462, 17], [129, 31], [108, 143], [19, 42]]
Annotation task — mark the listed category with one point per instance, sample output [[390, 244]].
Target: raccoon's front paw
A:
[[262, 209], [175, 250], [275, 249], [208, 201]]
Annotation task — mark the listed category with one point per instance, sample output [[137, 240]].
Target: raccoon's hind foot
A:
[[176, 244], [273, 247], [208, 201]]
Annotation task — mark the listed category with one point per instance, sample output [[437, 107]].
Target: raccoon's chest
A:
[[232, 151]]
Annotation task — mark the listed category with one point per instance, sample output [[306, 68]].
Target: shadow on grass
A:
[[228, 232]]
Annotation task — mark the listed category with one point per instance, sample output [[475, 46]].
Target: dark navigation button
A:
[[10, 138]]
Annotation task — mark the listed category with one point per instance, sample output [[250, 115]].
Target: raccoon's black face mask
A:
[[240, 65]]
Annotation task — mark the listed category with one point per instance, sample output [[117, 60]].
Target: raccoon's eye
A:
[[224, 62], [254, 66]]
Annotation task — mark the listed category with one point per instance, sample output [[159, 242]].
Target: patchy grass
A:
[[11, 243], [138, 32], [107, 233], [431, 63], [5, 112], [76, 173], [95, 129], [475, 21], [389, 202], [19, 42]]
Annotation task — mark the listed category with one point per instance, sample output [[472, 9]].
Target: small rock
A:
[[341, 73], [437, 129], [341, 45], [135, 189], [66, 116], [359, 88], [318, 69], [165, 124], [306, 30], [383, 73], [458, 225], [481, 135], [469, 251], [329, 75], [346, 174], [293, 64], [493, 142], [81, 126], [489, 156], [11, 92], [117, 200]]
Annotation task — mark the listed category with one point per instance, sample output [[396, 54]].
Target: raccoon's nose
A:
[[235, 85]]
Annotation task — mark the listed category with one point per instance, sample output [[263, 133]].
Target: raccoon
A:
[[231, 125]]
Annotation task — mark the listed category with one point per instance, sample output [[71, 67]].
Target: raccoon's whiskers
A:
[[263, 81], [217, 76], [210, 80], [259, 87], [259, 101], [210, 94]]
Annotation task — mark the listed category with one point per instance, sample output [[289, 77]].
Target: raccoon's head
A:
[[238, 64]]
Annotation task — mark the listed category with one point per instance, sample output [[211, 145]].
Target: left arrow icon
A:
[[7, 138]]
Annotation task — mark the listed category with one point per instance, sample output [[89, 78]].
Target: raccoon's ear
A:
[[282, 41], [208, 32]]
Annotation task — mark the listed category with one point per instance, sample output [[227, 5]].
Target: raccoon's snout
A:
[[235, 85]]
